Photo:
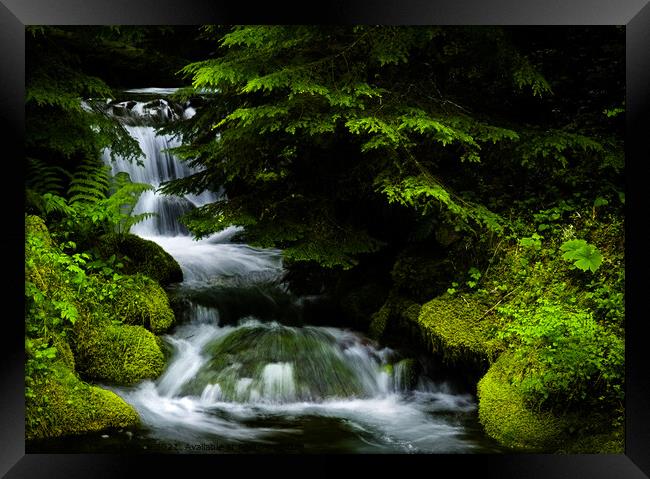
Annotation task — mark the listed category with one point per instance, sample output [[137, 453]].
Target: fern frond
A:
[[43, 178], [90, 183], [135, 219], [124, 196], [55, 203], [79, 198]]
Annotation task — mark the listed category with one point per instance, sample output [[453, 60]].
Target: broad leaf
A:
[[584, 256]]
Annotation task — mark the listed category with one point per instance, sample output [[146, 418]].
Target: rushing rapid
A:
[[240, 375]]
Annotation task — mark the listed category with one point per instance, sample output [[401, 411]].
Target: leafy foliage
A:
[[96, 203], [353, 144], [388, 117], [63, 129]]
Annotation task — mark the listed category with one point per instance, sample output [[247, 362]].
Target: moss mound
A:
[[43, 261], [318, 367], [612, 442], [141, 256], [379, 321], [63, 405], [34, 226], [458, 328], [141, 301], [117, 353], [505, 417]]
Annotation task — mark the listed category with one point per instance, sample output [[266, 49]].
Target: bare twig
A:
[[498, 303]]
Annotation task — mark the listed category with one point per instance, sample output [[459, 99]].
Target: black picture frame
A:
[[634, 14]]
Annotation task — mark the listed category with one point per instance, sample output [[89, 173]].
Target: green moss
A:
[[508, 418], [319, 370], [141, 301], [35, 226], [44, 262], [458, 328], [141, 256], [64, 405], [410, 312], [505, 417], [117, 353], [64, 352], [612, 442]]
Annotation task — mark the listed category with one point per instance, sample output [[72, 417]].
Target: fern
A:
[[423, 193], [44, 187], [43, 178], [90, 183], [121, 203], [94, 198]]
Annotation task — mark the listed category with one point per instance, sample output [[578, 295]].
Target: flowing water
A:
[[247, 372]]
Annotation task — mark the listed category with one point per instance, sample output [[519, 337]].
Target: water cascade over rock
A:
[[257, 384]]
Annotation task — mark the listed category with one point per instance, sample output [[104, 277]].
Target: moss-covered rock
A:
[[141, 256], [141, 301], [409, 311], [503, 413], [378, 322], [460, 329], [240, 359], [117, 353], [35, 226], [507, 417], [611, 442], [63, 405], [97, 346], [45, 264]]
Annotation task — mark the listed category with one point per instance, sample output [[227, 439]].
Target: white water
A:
[[255, 382], [393, 420]]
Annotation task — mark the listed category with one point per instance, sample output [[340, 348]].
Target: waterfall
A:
[[258, 383], [200, 260]]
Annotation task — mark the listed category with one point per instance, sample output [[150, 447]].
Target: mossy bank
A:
[[543, 337], [84, 324]]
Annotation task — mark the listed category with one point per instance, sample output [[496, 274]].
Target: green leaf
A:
[[584, 256], [474, 273], [600, 202], [532, 242]]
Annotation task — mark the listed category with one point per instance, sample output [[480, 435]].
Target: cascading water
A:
[[239, 377], [200, 260]]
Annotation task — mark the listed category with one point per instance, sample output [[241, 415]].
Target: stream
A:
[[247, 370]]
